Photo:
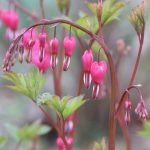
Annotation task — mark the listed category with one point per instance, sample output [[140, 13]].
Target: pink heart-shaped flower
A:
[[98, 71]]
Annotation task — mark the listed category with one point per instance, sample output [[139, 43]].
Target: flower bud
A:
[[54, 51]]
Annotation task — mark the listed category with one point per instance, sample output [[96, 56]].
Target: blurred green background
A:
[[92, 122]]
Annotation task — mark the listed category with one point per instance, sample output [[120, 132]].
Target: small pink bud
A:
[[141, 110], [69, 125], [42, 39], [54, 46], [54, 51], [128, 105], [69, 44], [127, 117], [28, 36], [87, 60], [61, 145]]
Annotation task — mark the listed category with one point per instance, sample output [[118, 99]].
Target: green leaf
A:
[[111, 11], [100, 146], [12, 130], [27, 132], [63, 107], [30, 131], [73, 105], [146, 131], [3, 141], [62, 4], [27, 84]]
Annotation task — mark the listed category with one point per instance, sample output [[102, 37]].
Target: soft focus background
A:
[[92, 124]]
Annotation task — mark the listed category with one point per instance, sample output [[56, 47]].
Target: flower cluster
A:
[[40, 51], [140, 109], [95, 70]]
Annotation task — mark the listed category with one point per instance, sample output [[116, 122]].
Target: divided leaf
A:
[[111, 10], [100, 146], [73, 105], [27, 84], [27, 132], [63, 107]]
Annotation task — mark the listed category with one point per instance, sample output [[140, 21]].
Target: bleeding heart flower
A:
[[61, 145], [45, 64], [128, 106], [54, 51], [87, 60], [69, 44], [31, 34], [98, 71], [10, 19]]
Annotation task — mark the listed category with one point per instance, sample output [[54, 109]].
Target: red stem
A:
[[124, 96]]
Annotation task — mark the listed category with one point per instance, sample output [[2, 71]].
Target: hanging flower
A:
[[45, 64], [54, 51], [98, 71], [87, 60], [141, 110], [10, 19], [69, 44]]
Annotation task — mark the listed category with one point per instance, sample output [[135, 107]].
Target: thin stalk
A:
[[124, 96], [42, 9], [18, 145], [34, 143], [47, 115]]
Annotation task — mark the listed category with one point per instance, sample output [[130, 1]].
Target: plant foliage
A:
[[63, 107], [27, 84]]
